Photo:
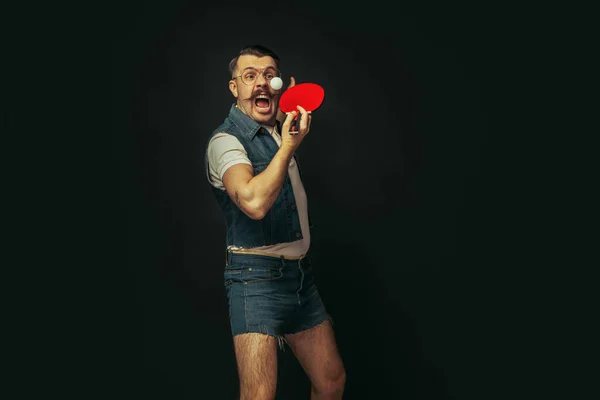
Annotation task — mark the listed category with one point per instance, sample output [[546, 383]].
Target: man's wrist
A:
[[287, 149]]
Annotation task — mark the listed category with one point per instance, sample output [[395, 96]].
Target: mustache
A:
[[259, 92]]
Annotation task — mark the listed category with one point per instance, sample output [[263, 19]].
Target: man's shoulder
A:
[[225, 127], [225, 140]]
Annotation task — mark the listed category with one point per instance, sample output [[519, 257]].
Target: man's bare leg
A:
[[256, 356], [317, 353]]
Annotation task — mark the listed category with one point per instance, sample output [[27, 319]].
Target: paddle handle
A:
[[295, 124]]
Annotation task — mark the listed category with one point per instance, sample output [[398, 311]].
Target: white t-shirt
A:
[[225, 150]]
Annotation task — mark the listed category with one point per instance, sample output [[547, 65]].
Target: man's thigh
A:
[[256, 356], [317, 352]]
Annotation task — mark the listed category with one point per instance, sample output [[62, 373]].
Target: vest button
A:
[[297, 234]]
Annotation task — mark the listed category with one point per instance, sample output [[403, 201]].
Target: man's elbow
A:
[[255, 211], [255, 214], [249, 204], [255, 207]]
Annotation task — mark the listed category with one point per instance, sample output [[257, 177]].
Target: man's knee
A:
[[333, 384]]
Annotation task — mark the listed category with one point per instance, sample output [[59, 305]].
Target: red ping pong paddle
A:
[[306, 95]]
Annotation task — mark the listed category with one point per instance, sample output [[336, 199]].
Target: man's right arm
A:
[[255, 195]]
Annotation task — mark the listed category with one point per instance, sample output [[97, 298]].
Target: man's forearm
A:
[[265, 187]]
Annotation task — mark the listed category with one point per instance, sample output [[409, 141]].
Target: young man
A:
[[256, 179]]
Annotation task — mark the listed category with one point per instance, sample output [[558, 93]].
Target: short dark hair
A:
[[254, 50]]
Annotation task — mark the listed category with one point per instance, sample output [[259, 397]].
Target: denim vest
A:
[[281, 224]]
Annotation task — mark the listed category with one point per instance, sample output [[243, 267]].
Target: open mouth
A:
[[262, 102]]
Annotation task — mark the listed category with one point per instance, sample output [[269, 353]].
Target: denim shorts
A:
[[271, 295]]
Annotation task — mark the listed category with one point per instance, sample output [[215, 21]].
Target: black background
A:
[[416, 179]]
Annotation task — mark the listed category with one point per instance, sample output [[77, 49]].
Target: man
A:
[[256, 179]]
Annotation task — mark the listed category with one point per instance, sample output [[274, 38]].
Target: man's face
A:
[[258, 100]]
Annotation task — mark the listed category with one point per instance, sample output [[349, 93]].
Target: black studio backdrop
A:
[[405, 181]]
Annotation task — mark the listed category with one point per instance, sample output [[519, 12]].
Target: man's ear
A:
[[233, 88]]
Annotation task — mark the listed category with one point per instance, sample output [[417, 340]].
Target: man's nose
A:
[[261, 80]]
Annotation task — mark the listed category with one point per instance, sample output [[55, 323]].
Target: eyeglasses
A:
[[250, 75]]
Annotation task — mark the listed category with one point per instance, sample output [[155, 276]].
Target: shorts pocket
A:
[[232, 275]]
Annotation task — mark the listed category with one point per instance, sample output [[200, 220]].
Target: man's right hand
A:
[[289, 140]]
